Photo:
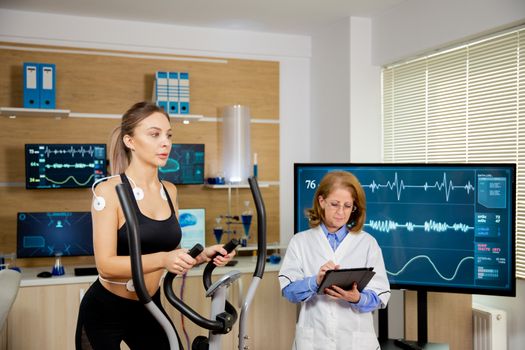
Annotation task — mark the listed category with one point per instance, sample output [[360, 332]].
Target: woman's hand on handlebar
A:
[[178, 261], [220, 260]]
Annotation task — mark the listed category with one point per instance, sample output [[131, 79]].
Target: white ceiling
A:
[[280, 16]]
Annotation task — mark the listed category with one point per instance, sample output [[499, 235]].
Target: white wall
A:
[[365, 95], [295, 131], [346, 94], [417, 26], [330, 86], [292, 51], [62, 30]]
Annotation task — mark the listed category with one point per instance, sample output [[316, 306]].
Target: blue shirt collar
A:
[[340, 234]]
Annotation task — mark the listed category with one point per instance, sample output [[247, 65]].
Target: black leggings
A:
[[105, 320]]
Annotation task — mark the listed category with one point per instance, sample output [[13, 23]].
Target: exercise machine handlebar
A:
[[206, 275], [221, 325], [137, 272], [261, 227]]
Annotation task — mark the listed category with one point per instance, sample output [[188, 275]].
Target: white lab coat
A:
[[327, 323]]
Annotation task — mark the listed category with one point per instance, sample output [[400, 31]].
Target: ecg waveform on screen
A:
[[427, 226], [71, 150], [445, 185], [425, 257], [64, 165], [67, 166], [71, 178]]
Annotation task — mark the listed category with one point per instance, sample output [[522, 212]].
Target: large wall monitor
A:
[[64, 165], [441, 227]]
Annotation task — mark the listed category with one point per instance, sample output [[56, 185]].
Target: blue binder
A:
[[161, 90], [184, 93], [31, 90], [47, 85], [173, 93]]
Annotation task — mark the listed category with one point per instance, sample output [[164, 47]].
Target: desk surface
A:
[[29, 278]]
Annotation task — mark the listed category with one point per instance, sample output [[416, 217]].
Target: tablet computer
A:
[[344, 278]]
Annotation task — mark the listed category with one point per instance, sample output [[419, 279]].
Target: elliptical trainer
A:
[[223, 314]]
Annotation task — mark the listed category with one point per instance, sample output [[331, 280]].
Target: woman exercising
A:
[[110, 311]]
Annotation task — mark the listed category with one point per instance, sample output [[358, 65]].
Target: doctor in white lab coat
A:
[[338, 319]]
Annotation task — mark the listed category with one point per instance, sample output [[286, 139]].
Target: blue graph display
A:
[[64, 165], [441, 227], [47, 233]]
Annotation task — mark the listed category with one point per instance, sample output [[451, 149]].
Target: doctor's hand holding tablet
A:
[[345, 284], [333, 290], [351, 295]]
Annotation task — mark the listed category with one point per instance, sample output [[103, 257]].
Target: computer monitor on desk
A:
[[45, 234], [193, 225]]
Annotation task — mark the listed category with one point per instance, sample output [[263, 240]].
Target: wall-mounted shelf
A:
[[186, 118], [13, 112], [175, 117], [243, 185]]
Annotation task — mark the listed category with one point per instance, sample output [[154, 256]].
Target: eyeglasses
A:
[[335, 206]]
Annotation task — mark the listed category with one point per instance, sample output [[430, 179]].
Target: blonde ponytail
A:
[[118, 152]]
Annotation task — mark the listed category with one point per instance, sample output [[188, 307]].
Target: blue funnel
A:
[[246, 222], [218, 234]]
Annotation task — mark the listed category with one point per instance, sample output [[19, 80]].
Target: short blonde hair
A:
[[330, 182]]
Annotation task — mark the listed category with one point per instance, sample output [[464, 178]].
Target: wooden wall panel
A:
[[96, 82], [91, 81]]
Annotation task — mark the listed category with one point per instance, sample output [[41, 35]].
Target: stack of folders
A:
[[172, 92], [39, 85]]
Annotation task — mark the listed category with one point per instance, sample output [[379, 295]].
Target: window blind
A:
[[465, 104]]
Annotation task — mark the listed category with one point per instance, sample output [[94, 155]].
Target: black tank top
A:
[[155, 235]]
